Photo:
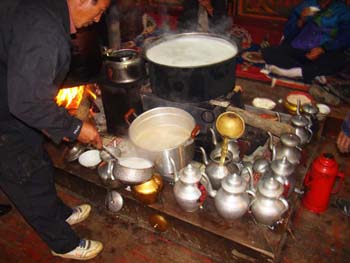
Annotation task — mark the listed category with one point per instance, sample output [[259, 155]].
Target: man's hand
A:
[[343, 142], [89, 135], [315, 53]]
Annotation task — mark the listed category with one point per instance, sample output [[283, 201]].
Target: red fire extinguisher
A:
[[319, 182]]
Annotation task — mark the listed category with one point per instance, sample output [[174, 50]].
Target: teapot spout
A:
[[251, 178], [204, 154], [270, 140], [213, 136]]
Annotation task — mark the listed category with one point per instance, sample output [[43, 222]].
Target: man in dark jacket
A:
[[34, 60], [316, 36]]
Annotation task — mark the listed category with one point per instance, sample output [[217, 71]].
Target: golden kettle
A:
[[148, 191]]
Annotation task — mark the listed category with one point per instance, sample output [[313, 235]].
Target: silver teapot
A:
[[283, 171], [288, 147], [232, 146], [105, 173], [310, 112], [300, 123], [186, 191], [214, 170], [261, 168], [232, 200], [268, 205]]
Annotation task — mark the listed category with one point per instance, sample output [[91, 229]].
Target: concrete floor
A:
[[123, 242]]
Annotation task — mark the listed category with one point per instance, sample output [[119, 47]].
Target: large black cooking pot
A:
[[192, 82]]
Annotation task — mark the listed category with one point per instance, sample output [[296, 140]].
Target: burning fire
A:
[[70, 98]]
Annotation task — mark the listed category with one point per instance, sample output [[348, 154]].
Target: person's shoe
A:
[[80, 213], [87, 249], [4, 209]]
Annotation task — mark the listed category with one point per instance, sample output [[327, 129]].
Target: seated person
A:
[[193, 19], [343, 140], [315, 39]]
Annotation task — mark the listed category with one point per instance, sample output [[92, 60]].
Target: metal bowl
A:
[[133, 170]]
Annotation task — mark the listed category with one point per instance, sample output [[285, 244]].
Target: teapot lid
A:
[[261, 165], [270, 187], [309, 108], [299, 121], [282, 167], [190, 174], [234, 184], [290, 139]]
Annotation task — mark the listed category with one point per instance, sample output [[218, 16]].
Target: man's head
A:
[[86, 12]]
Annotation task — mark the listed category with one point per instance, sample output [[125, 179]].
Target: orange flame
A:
[[70, 97]]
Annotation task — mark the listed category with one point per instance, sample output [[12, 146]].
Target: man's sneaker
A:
[[80, 213], [87, 249]]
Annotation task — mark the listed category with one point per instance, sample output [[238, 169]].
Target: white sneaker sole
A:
[[98, 250]]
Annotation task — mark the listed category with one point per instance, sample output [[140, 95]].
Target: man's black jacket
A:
[[35, 54]]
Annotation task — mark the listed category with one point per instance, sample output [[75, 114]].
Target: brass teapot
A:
[[148, 191]]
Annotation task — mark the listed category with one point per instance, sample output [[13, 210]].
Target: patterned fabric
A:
[[329, 28]]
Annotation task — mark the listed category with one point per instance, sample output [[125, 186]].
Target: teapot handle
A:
[[285, 203], [207, 185], [311, 134], [196, 130], [253, 194], [340, 182], [127, 115], [110, 168]]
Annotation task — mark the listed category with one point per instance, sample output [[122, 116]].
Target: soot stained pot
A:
[[123, 66], [185, 76]]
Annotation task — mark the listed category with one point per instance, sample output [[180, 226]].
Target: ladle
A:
[[230, 126]]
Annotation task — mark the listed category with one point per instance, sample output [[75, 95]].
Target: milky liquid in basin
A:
[[191, 51], [135, 163], [161, 138]]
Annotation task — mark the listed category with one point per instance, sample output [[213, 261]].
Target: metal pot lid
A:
[[299, 121], [309, 109], [190, 174], [270, 187], [234, 184], [122, 55], [261, 165], [282, 167], [114, 201], [290, 139]]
